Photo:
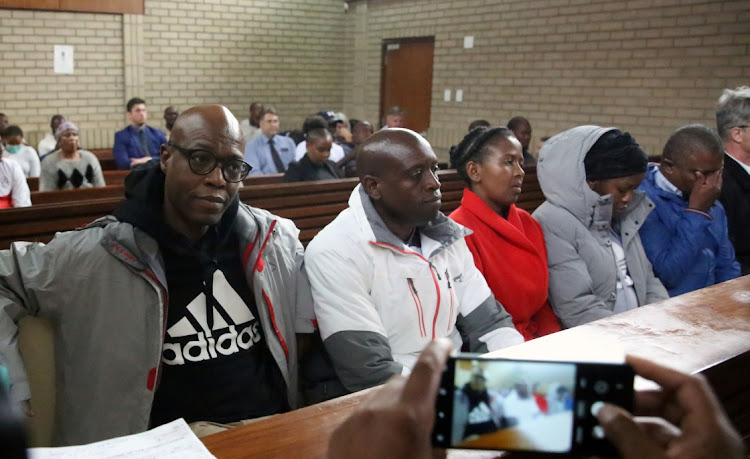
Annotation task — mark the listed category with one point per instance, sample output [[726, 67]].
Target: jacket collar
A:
[[442, 230]]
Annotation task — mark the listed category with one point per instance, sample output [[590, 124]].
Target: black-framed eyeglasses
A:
[[203, 162]]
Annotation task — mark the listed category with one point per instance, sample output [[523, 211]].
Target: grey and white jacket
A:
[[104, 289], [379, 303], [576, 222]]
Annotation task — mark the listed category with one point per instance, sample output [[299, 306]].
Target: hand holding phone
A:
[[685, 401]]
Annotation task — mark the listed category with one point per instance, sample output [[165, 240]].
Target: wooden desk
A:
[[706, 331]]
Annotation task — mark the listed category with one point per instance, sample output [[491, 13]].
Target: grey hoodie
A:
[[576, 223]]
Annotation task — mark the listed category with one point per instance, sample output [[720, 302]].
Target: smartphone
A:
[[525, 405]]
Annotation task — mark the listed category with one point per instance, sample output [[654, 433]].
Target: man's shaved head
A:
[[378, 150], [202, 118]]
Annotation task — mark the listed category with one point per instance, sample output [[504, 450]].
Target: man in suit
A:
[[733, 124], [269, 153], [137, 143]]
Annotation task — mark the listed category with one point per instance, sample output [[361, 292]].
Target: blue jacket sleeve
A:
[[120, 150], [671, 248]]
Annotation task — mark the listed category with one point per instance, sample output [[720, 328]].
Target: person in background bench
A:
[[137, 143], [507, 244], [4, 123], [24, 155], [400, 415], [733, 124], [70, 167], [315, 165], [686, 237], [317, 122], [522, 130], [391, 272], [269, 153], [170, 116], [14, 191], [251, 127], [183, 317], [361, 131], [48, 143], [394, 118], [478, 123], [591, 217]]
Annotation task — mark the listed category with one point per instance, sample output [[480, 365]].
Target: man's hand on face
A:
[[706, 190]]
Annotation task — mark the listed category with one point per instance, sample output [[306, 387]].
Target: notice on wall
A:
[[63, 59]]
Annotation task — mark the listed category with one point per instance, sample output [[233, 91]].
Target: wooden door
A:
[[407, 79]]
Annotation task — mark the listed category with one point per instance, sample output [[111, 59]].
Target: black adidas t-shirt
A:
[[216, 365]]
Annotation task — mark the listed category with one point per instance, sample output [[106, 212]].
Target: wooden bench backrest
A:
[[311, 205]]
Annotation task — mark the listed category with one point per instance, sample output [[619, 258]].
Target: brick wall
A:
[[644, 68], [287, 53]]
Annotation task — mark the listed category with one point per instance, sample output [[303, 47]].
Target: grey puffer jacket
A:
[[576, 223], [104, 289]]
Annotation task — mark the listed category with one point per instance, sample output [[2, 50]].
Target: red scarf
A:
[[513, 258]]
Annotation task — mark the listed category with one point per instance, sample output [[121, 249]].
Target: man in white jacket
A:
[[392, 273]]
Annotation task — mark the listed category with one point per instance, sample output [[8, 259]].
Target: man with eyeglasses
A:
[[733, 124], [184, 303], [685, 237]]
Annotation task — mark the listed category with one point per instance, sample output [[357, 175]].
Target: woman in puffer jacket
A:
[[590, 219]]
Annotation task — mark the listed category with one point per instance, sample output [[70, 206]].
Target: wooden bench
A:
[[110, 178], [106, 158], [311, 205], [706, 331]]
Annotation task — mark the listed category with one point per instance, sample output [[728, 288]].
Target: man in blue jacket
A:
[[686, 236], [137, 143]]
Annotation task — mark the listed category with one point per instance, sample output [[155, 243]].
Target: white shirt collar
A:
[[744, 166], [665, 184]]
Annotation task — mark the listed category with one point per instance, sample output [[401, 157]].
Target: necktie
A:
[[276, 158], [144, 143]]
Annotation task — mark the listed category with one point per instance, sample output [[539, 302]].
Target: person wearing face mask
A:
[[591, 217], [24, 155]]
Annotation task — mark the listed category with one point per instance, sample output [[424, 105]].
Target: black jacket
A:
[[735, 197], [304, 170]]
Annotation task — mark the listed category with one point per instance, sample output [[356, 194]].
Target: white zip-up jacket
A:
[[378, 303]]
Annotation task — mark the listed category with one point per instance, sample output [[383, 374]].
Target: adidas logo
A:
[[231, 315]]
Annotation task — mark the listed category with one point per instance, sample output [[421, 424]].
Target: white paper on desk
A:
[[173, 440]]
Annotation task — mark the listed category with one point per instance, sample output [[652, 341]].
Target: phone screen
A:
[[513, 405], [517, 405]]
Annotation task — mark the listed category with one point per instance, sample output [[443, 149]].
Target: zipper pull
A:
[[411, 284], [448, 278], [436, 270]]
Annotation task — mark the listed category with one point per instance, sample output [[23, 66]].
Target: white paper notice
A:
[[170, 441], [63, 59]]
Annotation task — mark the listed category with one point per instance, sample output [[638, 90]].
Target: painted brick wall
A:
[[286, 53], [646, 67]]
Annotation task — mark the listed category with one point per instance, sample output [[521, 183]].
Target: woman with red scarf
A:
[[507, 244]]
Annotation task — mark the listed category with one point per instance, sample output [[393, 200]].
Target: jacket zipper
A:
[[450, 290], [418, 304], [153, 380], [433, 272]]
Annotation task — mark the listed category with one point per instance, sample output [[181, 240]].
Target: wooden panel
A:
[[707, 331], [89, 6]]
